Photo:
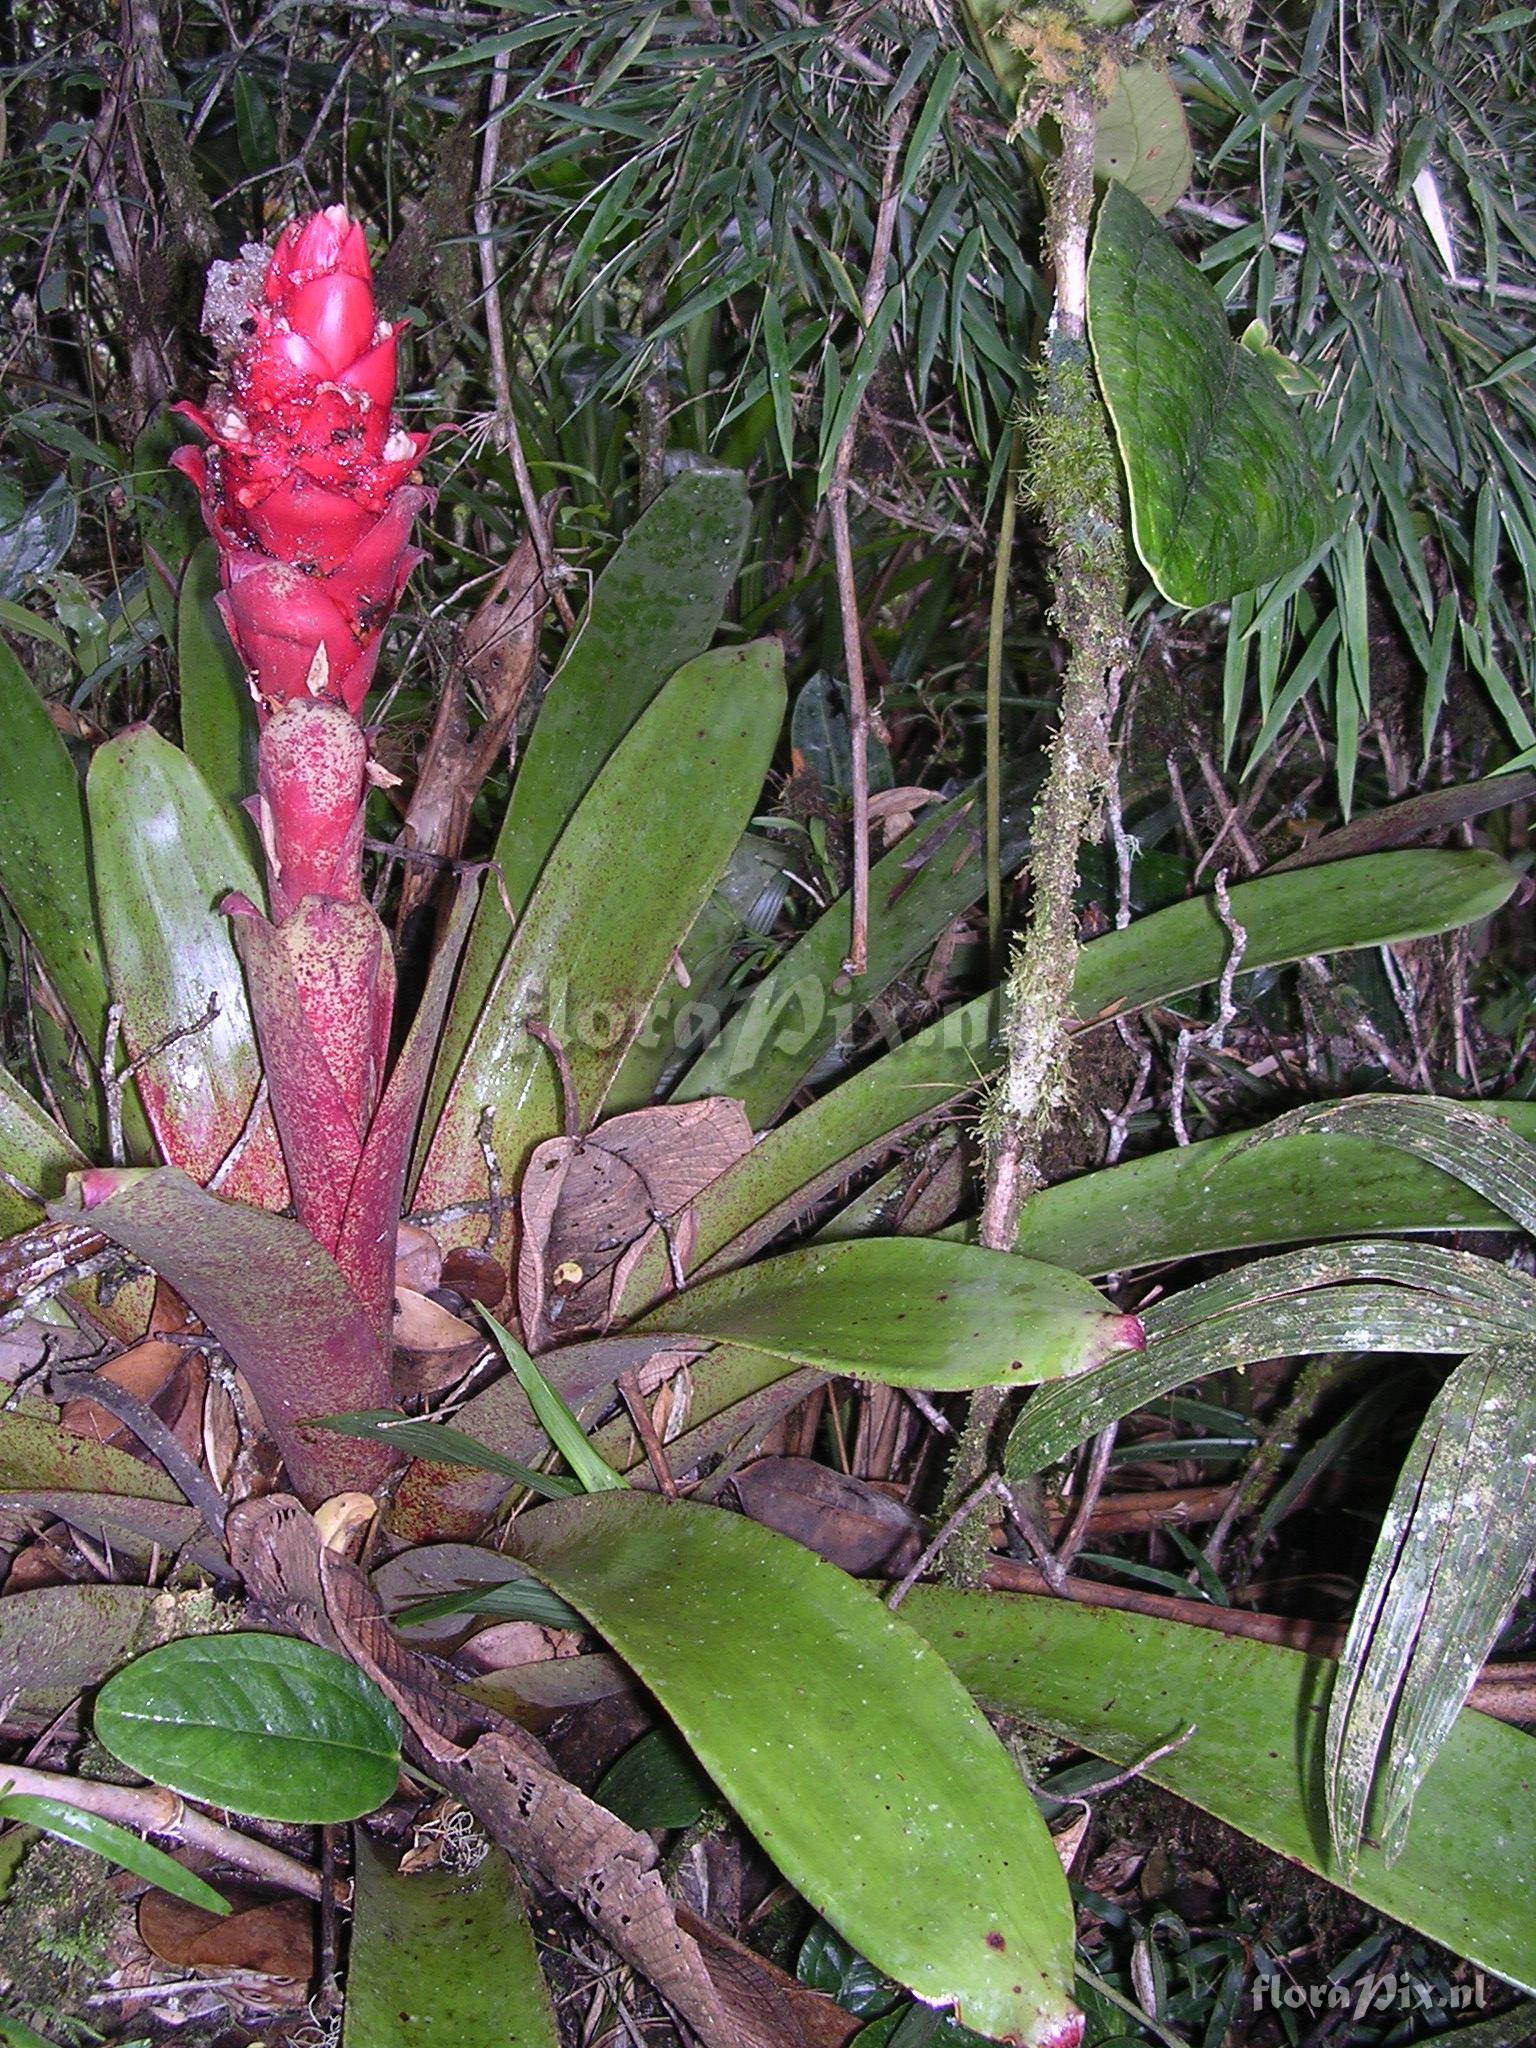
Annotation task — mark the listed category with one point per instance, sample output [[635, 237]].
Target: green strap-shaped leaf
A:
[[909, 1312], [1123, 1684], [106, 1838], [1491, 1157], [1378, 899], [796, 1013], [37, 1451], [265, 1725], [218, 713], [445, 1958], [617, 896], [656, 605], [1226, 1194], [1454, 1554], [1348, 1297], [34, 1153], [166, 855], [847, 1749], [1225, 491], [45, 865]]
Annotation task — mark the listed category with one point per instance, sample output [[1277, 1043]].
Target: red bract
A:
[[305, 482]]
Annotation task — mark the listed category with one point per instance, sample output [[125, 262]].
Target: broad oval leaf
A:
[[165, 856], [845, 1746], [444, 1958], [261, 1724], [105, 1838], [1141, 138], [909, 1312], [618, 894], [1122, 1685], [1225, 491]]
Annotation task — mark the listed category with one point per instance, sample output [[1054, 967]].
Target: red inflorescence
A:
[[306, 479]]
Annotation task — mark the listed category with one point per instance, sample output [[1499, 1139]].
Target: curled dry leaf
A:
[[847, 1520], [275, 1937], [418, 1258], [591, 1207]]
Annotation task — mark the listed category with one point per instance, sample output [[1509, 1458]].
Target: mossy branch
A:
[[1070, 474]]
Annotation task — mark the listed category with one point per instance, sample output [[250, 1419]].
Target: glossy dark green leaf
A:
[[442, 1958], [165, 856], [106, 1838], [1123, 1684], [908, 1312], [617, 896], [265, 1725], [1378, 899], [1226, 1194], [1454, 1554], [1225, 491], [45, 867], [218, 713], [858, 1763], [656, 1784], [655, 606]]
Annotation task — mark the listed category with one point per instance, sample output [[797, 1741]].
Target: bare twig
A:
[[556, 1051], [152, 1433], [151, 1810], [496, 342], [634, 1400], [842, 549], [950, 1529]]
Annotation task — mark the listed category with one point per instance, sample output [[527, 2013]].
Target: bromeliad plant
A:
[[548, 1139]]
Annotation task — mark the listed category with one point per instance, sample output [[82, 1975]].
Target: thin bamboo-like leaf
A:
[[439, 1444], [105, 1838], [1455, 1552], [594, 1473]]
